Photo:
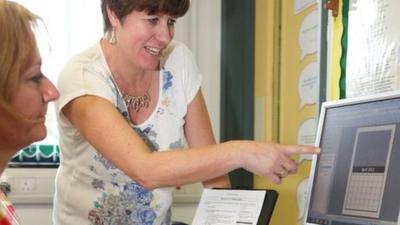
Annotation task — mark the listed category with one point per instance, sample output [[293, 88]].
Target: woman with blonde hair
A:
[[24, 90]]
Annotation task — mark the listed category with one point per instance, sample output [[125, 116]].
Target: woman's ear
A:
[[112, 17]]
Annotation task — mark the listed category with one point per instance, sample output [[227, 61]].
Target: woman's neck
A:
[[10, 142], [118, 64], [5, 156], [127, 76]]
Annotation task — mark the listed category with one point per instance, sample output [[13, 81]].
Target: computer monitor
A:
[[355, 180]]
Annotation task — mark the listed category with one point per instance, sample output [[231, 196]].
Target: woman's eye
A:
[[153, 20], [37, 78], [171, 22]]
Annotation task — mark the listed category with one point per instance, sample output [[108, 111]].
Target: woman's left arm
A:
[[199, 133]]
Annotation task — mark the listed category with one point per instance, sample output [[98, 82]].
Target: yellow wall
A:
[[265, 66], [281, 65]]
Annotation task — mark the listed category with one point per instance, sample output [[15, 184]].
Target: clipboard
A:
[[235, 207]]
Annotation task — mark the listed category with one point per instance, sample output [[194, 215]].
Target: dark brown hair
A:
[[122, 8]]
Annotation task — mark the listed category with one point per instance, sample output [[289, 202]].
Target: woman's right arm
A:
[[102, 125]]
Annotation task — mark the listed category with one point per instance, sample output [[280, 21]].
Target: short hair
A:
[[17, 48], [122, 8]]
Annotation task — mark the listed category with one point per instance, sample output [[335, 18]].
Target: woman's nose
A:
[[165, 33], [49, 91]]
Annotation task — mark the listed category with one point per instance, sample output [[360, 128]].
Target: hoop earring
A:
[[112, 37]]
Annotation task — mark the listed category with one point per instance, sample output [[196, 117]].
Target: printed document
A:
[[229, 207]]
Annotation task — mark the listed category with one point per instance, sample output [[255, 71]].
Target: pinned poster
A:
[[300, 5], [308, 85], [373, 61], [308, 35], [302, 194]]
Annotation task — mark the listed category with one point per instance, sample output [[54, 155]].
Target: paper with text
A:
[[229, 207]]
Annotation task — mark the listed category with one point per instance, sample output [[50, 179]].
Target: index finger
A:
[[301, 149]]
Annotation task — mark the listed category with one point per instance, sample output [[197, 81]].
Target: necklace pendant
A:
[[137, 102]]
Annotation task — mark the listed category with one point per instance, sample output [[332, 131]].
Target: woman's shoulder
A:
[[175, 52], [87, 56], [91, 57]]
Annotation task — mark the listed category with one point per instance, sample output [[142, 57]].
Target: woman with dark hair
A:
[[24, 90], [134, 125]]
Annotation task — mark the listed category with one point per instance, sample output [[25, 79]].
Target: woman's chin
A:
[[37, 134]]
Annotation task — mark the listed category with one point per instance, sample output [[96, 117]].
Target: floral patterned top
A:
[[89, 188], [7, 212]]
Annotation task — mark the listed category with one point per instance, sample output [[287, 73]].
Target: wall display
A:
[[297, 97], [308, 85], [308, 34], [302, 193], [373, 54], [300, 5]]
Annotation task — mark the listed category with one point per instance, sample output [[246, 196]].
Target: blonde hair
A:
[[17, 48]]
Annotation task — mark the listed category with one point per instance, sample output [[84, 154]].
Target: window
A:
[[69, 27]]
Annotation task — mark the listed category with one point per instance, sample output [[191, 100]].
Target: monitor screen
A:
[[356, 178]]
